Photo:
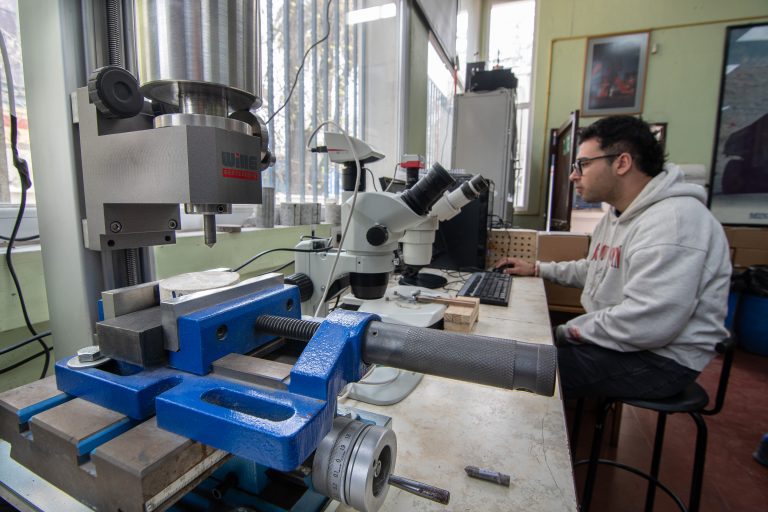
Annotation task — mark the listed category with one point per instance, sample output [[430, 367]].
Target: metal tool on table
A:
[[488, 475]]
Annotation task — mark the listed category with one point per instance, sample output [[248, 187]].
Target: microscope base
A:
[[385, 386], [424, 280]]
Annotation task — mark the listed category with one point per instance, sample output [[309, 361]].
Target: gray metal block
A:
[[262, 372], [135, 338]]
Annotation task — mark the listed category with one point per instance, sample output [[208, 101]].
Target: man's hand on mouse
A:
[[515, 267]]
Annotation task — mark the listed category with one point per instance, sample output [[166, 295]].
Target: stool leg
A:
[[656, 461], [576, 426], [597, 441], [698, 462]]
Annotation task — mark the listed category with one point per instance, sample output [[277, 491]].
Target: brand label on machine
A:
[[240, 166]]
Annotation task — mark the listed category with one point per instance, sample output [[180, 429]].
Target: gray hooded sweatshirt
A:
[[656, 278]]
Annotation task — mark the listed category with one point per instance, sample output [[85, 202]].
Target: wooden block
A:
[[461, 313]]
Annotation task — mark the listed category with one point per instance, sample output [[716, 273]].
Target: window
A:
[[439, 109], [10, 186], [511, 45], [327, 90]]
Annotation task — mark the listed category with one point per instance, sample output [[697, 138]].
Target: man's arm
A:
[[566, 273], [660, 296]]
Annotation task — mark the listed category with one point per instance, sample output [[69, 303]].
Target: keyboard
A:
[[490, 287]]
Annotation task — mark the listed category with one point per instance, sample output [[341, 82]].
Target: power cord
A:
[[304, 59], [358, 177], [20, 238], [281, 249], [26, 182], [373, 179]]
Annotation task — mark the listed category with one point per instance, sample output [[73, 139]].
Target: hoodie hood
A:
[[669, 183]]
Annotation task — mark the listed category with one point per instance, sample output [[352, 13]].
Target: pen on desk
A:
[[488, 475]]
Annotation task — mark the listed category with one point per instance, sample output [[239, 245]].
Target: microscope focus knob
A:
[[377, 235], [114, 92], [306, 288]]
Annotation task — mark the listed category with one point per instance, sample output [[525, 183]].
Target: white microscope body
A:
[[379, 222]]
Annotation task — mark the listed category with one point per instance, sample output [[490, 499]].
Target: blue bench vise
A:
[[187, 365]]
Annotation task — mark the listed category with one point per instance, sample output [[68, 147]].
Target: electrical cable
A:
[[281, 249], [26, 182], [358, 177], [24, 343], [304, 59], [278, 269], [393, 177], [20, 238], [373, 179], [46, 352]]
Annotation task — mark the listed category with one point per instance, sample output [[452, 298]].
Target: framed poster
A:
[[739, 179], [614, 75]]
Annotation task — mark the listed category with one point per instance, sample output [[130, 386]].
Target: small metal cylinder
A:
[[209, 229]]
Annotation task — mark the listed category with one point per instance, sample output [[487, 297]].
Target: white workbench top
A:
[[445, 425]]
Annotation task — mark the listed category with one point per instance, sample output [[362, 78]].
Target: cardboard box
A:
[[744, 257], [555, 246], [747, 238]]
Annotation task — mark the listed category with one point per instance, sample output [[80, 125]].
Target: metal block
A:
[[145, 468], [228, 327], [73, 429], [18, 405], [173, 309], [130, 299], [136, 338], [261, 372], [150, 465]]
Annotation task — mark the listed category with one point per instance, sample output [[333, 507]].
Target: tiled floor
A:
[[733, 480]]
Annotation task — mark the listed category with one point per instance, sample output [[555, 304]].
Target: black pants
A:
[[592, 371]]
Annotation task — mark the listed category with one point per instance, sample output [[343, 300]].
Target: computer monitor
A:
[[460, 242]]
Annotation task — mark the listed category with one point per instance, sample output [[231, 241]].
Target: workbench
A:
[[443, 426]]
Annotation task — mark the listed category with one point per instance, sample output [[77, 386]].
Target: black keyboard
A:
[[490, 287]]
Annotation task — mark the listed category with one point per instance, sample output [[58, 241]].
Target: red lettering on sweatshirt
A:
[[603, 251]]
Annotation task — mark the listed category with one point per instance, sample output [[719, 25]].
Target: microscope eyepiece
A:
[[426, 192], [475, 187]]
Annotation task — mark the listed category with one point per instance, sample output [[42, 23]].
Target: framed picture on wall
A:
[[614, 75], [739, 179]]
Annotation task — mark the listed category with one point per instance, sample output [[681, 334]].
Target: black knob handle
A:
[[377, 235], [115, 92]]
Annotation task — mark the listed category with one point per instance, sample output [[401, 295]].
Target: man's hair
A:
[[627, 134]]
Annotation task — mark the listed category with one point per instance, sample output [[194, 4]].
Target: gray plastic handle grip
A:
[[480, 359]]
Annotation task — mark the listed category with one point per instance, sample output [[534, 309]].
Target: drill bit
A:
[[209, 229], [487, 474], [420, 489]]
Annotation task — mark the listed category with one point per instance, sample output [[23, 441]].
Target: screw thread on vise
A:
[[291, 328]]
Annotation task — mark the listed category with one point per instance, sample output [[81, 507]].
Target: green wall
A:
[[683, 77]]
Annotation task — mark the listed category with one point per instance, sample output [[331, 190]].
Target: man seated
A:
[[655, 280]]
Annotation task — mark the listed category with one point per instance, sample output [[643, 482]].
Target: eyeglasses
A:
[[578, 165]]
